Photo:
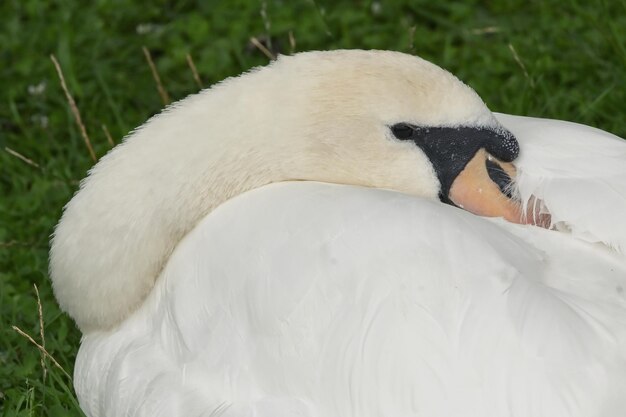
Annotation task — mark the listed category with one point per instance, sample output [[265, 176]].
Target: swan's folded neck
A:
[[316, 116]]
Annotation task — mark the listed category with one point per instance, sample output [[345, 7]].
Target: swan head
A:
[[370, 118], [390, 120]]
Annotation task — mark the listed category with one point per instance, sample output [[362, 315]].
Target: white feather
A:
[[311, 299], [578, 171]]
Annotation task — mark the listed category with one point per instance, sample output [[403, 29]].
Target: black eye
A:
[[402, 131]]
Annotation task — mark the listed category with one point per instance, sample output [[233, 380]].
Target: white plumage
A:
[[317, 299], [579, 171]]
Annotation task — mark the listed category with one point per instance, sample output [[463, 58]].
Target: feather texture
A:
[[320, 300], [580, 174], [303, 117], [310, 299]]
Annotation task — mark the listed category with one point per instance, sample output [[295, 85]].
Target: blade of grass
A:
[[165, 97], [112, 104], [74, 107], [262, 48], [105, 129], [521, 65], [194, 71], [42, 350], [21, 157]]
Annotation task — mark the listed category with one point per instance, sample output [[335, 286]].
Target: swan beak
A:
[[485, 188]]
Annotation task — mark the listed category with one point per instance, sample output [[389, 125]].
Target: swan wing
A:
[[310, 299], [578, 171]]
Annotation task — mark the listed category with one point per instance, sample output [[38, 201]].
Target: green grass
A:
[[554, 58]]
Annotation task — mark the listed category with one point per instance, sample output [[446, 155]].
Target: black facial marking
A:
[[500, 177], [451, 148]]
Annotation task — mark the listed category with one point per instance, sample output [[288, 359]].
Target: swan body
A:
[[333, 300], [355, 292], [304, 117]]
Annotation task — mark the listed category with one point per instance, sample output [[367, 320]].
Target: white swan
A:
[[313, 299]]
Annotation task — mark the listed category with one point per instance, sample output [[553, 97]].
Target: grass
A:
[[557, 59]]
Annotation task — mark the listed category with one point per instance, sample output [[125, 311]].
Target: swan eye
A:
[[402, 131]]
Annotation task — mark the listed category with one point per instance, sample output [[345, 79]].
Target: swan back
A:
[[323, 300]]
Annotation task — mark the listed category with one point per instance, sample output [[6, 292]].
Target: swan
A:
[[291, 242]]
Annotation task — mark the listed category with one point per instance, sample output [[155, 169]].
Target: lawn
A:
[[556, 59]]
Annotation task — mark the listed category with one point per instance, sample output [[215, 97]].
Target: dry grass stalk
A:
[[262, 48], [74, 108], [10, 243], [105, 129], [488, 30], [162, 92], [521, 64], [42, 350], [21, 157], [412, 30], [41, 332], [194, 71], [292, 43], [266, 23]]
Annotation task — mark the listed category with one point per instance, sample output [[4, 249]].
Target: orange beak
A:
[[475, 191]]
